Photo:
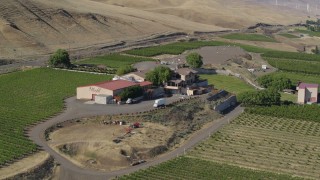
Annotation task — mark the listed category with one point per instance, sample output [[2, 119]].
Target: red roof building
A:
[[111, 88], [113, 85]]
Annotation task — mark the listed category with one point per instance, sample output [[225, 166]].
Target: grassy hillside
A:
[[28, 97]]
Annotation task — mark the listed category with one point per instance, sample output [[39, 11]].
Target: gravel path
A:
[[75, 109]]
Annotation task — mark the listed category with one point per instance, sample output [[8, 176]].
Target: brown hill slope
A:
[[30, 27]]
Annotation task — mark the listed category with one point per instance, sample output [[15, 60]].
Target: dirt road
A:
[[76, 109]]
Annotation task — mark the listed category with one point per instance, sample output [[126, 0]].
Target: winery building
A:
[[111, 88]]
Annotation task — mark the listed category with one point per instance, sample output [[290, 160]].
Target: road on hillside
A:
[[76, 109]]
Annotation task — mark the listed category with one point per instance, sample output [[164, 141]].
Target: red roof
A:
[[145, 83], [113, 85], [305, 85]]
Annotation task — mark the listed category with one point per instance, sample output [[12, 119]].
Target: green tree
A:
[[276, 83], [125, 70], [316, 50], [194, 60], [260, 98], [131, 92], [60, 59], [159, 75]]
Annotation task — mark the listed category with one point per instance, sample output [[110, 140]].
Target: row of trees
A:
[[260, 98], [61, 58], [275, 83], [313, 25], [307, 112]]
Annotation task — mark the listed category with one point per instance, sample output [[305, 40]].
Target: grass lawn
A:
[[287, 35], [30, 96], [266, 143], [249, 37], [114, 60], [228, 83], [191, 168], [289, 97]]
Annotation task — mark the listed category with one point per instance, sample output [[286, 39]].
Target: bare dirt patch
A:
[[215, 55], [23, 165], [91, 144]]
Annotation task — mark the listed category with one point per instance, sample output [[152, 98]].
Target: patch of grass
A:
[[289, 97], [310, 33], [180, 47], [290, 36], [266, 143], [249, 37], [191, 168], [30, 96], [114, 60], [228, 83]]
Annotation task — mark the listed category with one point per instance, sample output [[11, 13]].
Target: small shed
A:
[[264, 67], [103, 99]]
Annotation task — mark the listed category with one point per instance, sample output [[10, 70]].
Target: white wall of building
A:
[[301, 95], [87, 92]]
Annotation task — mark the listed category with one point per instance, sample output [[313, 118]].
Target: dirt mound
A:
[[91, 145]]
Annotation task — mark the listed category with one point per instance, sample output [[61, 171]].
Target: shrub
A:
[[194, 60], [60, 59], [131, 92], [125, 70], [276, 83]]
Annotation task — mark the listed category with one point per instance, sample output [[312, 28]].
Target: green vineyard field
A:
[[180, 47], [114, 60], [28, 97], [266, 143], [308, 67], [194, 169]]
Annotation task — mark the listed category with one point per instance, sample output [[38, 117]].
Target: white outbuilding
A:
[[264, 67], [103, 99]]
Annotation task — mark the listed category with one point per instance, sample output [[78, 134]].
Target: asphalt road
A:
[[76, 109]]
